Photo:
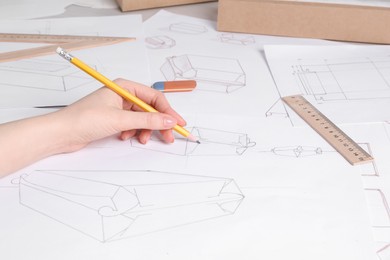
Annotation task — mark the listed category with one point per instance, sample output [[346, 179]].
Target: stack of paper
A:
[[257, 187]]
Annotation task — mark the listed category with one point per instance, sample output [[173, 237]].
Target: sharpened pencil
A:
[[119, 90]]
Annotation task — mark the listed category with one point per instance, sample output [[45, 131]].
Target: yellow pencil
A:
[[119, 90]]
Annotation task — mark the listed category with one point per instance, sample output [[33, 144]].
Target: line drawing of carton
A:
[[187, 28], [42, 74], [337, 79], [160, 42], [114, 205], [213, 143], [297, 151], [220, 74], [218, 142], [241, 39]]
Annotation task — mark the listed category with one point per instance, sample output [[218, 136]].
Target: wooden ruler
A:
[[350, 150], [68, 42]]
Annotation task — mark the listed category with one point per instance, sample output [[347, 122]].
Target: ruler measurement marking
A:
[[350, 150], [70, 42], [54, 38]]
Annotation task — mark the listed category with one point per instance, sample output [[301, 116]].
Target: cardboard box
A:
[[130, 5], [332, 21]]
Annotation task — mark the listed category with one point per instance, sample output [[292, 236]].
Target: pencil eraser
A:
[[175, 86]]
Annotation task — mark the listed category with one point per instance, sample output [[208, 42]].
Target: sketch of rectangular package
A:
[[220, 74], [212, 143], [345, 80], [188, 28], [242, 39], [217, 142], [113, 205], [42, 74], [159, 42]]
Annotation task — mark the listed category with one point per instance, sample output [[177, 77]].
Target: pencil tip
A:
[[193, 138]]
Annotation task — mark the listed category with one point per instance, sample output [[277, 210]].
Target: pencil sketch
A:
[[353, 79], [114, 205], [57, 75], [187, 28], [240, 39], [219, 74], [354, 83], [299, 151], [278, 108], [295, 151], [159, 42], [376, 194], [213, 142], [340, 80], [380, 220], [384, 252], [368, 169], [378, 203]]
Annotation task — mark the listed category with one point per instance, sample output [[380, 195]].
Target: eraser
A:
[[175, 86]]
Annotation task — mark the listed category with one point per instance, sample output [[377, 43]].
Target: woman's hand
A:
[[100, 114]]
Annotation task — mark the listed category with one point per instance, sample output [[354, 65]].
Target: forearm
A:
[[26, 141]]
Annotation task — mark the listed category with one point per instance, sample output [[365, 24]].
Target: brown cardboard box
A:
[[343, 22], [130, 5]]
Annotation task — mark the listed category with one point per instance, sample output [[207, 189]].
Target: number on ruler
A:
[[350, 150]]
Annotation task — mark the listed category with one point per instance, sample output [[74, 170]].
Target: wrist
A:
[[28, 140], [61, 133]]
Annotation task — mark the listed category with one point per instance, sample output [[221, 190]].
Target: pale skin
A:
[[100, 114]]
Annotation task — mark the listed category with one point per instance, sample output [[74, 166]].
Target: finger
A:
[[167, 136], [152, 97], [144, 120], [125, 135], [144, 136]]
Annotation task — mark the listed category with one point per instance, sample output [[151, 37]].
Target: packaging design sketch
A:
[[114, 205]]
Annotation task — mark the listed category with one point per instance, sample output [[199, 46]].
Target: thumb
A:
[[146, 120]]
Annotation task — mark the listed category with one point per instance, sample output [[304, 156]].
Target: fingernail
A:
[[168, 122]]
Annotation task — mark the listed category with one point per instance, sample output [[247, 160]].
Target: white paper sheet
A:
[[50, 80], [349, 84], [374, 138], [272, 197], [257, 187], [23, 9], [376, 181], [230, 69]]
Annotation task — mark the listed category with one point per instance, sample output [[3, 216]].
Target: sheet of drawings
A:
[[376, 179], [22, 9], [256, 187], [50, 80], [349, 84], [229, 68]]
